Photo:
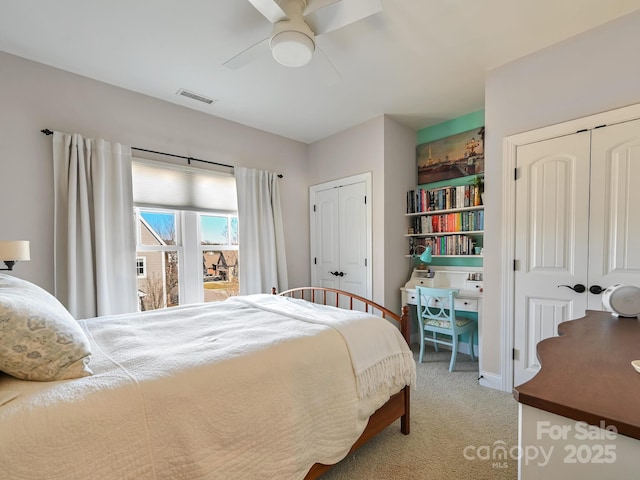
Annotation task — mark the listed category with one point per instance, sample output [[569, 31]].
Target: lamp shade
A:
[[426, 255], [14, 250]]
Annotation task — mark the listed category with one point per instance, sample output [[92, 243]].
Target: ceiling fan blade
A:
[[248, 55], [270, 9], [326, 70], [313, 5], [339, 14]]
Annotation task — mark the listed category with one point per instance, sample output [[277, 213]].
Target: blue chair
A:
[[436, 317]]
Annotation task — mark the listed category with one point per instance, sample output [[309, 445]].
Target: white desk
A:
[[469, 298]]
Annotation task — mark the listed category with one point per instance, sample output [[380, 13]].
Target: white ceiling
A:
[[420, 61]]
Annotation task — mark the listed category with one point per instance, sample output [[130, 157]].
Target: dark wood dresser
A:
[[580, 414]]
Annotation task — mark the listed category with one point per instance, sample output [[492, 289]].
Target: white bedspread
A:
[[249, 388]]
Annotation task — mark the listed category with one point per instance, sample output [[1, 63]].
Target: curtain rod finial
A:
[[46, 131]]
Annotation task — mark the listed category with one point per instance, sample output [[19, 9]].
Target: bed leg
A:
[[405, 329], [405, 324], [405, 420]]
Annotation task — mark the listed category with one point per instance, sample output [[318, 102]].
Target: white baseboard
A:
[[491, 380]]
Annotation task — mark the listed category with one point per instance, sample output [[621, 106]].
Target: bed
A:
[[260, 386]]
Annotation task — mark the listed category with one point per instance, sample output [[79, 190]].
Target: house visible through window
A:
[[219, 244], [141, 267], [157, 241], [187, 235]]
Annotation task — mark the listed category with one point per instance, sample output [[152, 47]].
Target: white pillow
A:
[[39, 339]]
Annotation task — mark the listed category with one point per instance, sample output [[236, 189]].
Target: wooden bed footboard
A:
[[349, 301], [398, 406]]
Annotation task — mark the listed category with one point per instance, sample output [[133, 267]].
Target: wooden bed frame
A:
[[398, 406]]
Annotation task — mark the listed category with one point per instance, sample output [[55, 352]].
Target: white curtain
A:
[[94, 236], [262, 260]]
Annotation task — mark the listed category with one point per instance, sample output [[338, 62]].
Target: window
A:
[[141, 267], [157, 242], [219, 245], [187, 232]]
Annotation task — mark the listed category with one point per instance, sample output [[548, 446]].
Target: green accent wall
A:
[[436, 132], [451, 127]]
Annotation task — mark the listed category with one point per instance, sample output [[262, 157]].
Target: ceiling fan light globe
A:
[[292, 49]]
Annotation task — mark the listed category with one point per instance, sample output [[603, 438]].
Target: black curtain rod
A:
[[46, 131], [188, 159]]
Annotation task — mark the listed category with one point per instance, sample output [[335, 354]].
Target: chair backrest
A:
[[437, 304]]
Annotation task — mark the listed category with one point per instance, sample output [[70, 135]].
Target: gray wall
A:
[[387, 149], [34, 96], [593, 72], [400, 176], [587, 74]]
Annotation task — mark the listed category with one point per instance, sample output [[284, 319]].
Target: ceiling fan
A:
[[296, 23]]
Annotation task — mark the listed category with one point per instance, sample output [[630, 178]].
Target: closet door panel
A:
[[614, 230], [327, 238], [353, 238], [552, 204], [340, 229]]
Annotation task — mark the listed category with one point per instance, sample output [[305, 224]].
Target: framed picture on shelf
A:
[[455, 156]]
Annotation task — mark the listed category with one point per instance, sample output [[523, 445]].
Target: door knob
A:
[[578, 287], [596, 289]]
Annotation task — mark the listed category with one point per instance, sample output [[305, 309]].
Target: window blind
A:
[[172, 186]]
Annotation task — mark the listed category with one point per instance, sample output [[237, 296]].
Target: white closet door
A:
[[353, 239], [341, 236], [614, 232], [326, 256], [552, 210]]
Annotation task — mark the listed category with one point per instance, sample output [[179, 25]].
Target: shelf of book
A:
[[448, 222], [453, 244], [448, 219], [439, 234], [452, 256], [445, 198], [449, 210]]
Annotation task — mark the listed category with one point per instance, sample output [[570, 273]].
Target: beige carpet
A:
[[450, 415]]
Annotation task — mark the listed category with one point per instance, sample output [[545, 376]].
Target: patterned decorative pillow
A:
[[39, 339]]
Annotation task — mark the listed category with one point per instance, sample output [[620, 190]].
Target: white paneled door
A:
[[341, 236], [614, 226], [575, 230]]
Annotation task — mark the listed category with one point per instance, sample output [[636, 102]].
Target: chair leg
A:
[[421, 346], [454, 354], [435, 344], [472, 337]]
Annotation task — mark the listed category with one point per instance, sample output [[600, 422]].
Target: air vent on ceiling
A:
[[195, 96]]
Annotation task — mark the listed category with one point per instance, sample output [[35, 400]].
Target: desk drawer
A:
[[463, 304], [473, 285], [466, 304], [412, 298]]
